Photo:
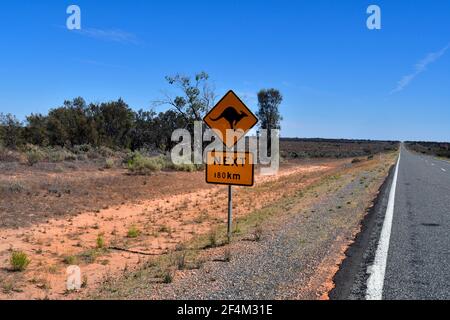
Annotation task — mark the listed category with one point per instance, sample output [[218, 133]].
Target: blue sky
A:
[[339, 79]]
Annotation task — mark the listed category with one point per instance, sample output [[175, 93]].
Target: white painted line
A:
[[443, 170], [377, 271]]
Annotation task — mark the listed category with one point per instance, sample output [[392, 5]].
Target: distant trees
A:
[[153, 130], [164, 125], [114, 124]]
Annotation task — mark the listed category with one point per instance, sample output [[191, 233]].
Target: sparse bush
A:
[[7, 155], [82, 149], [165, 229], [105, 152], [70, 260], [198, 263], [356, 160], [186, 167], [140, 164], [227, 255], [258, 233], [82, 157], [19, 261], [12, 187], [212, 239], [100, 242], [180, 247], [34, 156], [167, 276], [93, 154], [133, 232], [109, 163], [180, 260], [84, 282], [91, 255], [60, 155]]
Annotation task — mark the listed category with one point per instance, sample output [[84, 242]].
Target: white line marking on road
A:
[[433, 164], [443, 170], [377, 271]]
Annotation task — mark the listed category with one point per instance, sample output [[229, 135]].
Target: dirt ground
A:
[[108, 222], [289, 249]]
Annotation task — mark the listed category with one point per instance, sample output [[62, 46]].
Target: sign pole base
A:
[[230, 213]]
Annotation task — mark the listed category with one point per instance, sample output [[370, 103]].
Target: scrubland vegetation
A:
[[296, 148], [439, 149]]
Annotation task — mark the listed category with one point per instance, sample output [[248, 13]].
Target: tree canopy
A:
[[269, 115]]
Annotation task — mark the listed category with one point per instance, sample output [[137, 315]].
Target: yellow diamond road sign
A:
[[231, 113]]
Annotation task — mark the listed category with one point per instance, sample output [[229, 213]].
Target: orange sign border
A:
[[232, 184], [250, 111]]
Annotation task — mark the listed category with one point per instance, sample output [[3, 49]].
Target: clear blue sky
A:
[[339, 79]]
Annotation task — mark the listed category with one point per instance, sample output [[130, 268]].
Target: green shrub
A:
[[180, 260], [109, 163], [186, 166], [34, 156], [133, 232], [90, 255], [81, 149], [257, 234], [212, 239], [82, 157], [93, 154], [140, 164], [7, 155], [183, 167], [100, 242], [70, 260], [60, 155], [12, 187], [105, 152], [19, 261], [167, 276]]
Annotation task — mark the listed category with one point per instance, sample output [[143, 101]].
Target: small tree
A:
[[143, 130], [269, 115], [11, 134], [269, 102], [114, 121], [196, 99], [70, 124], [36, 129]]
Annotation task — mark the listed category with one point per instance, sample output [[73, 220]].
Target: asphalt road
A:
[[414, 237], [418, 264]]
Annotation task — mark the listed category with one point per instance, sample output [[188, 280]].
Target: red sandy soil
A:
[[178, 207]]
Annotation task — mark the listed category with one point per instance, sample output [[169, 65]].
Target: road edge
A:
[[351, 279]]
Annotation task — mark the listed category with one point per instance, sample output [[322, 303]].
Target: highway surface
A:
[[403, 252]]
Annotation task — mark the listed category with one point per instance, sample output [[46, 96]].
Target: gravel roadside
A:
[[297, 256]]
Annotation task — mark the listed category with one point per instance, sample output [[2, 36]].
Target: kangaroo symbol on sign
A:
[[232, 116]]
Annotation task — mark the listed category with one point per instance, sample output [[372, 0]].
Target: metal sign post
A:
[[238, 168], [230, 213]]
